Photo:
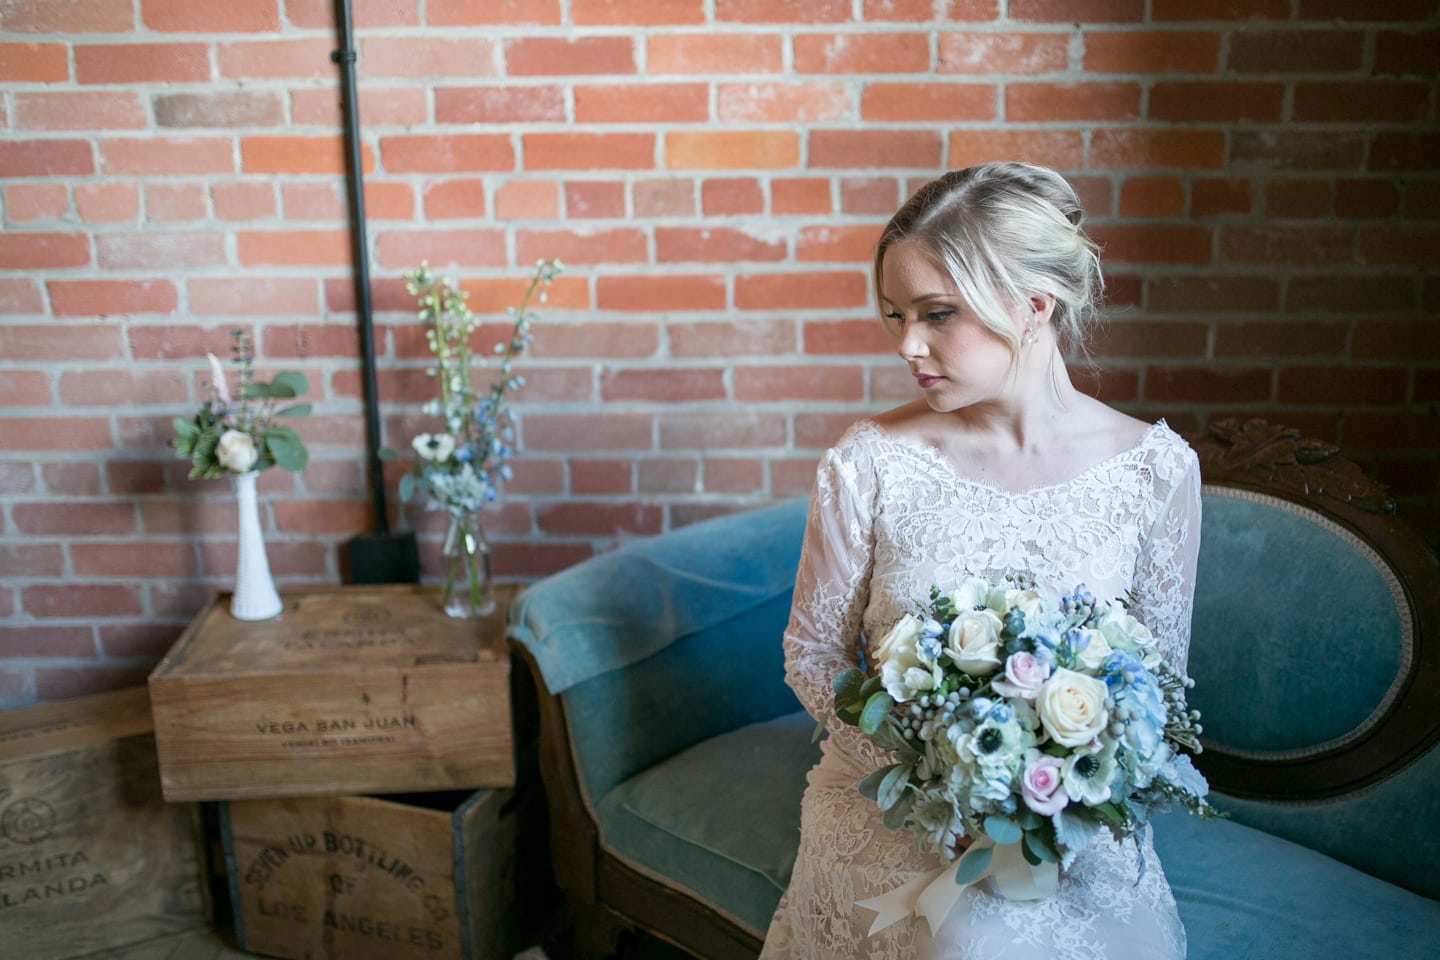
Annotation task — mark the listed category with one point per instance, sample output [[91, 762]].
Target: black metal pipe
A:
[[360, 252]]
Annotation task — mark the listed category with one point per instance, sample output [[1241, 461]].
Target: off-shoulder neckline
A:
[[1152, 432]]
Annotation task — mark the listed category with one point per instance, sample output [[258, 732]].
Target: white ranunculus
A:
[[974, 645], [1072, 707], [236, 451], [1123, 632], [971, 593]]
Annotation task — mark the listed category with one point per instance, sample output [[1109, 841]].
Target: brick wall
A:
[[1262, 175]]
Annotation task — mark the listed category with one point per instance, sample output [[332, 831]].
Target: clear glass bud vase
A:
[[469, 591]]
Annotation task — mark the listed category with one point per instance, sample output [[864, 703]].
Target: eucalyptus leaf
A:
[[407, 487], [1038, 847], [895, 816], [291, 382], [1002, 829], [869, 687], [294, 410], [186, 428], [892, 786], [973, 863], [387, 453], [877, 708], [870, 783], [848, 682], [288, 452]]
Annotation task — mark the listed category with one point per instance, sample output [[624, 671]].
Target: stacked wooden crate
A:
[[291, 724]]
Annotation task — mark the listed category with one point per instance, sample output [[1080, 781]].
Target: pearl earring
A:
[[1030, 335]]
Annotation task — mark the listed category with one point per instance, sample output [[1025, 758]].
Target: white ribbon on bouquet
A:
[[932, 895]]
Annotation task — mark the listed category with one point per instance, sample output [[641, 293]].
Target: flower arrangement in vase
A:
[[461, 465], [235, 435]]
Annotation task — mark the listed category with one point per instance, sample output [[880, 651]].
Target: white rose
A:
[[1095, 651], [975, 642], [1072, 707], [1123, 631], [905, 632], [236, 451]]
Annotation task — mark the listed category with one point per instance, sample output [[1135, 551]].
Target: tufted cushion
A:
[[1245, 895], [721, 818]]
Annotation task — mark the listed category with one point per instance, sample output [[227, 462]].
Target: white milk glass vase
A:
[[254, 597]]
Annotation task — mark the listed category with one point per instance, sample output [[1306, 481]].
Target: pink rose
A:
[[1041, 784], [1024, 675]]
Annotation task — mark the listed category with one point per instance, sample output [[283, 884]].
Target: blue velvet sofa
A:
[[674, 756]]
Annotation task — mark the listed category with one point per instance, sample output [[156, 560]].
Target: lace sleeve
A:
[[832, 588], [1165, 573]]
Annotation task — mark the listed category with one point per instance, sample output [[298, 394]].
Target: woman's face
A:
[[956, 360]]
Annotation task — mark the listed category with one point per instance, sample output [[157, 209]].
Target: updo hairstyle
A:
[[1004, 232]]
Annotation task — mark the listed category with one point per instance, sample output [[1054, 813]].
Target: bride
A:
[[984, 279]]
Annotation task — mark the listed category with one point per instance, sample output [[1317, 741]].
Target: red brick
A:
[[60, 342], [814, 290], [577, 432], [149, 640], [667, 197], [528, 200], [404, 249], [1370, 101], [533, 561], [260, 155], [103, 298], [1078, 11], [365, 13], [413, 56], [870, 149], [107, 202], [45, 158], [800, 195], [1297, 199], [1153, 52], [641, 13], [458, 153], [34, 63], [1212, 293], [227, 109], [720, 53], [243, 200], [69, 16], [326, 248], [175, 202], [782, 102], [782, 11], [49, 642], [837, 244], [183, 16], [1154, 243], [1213, 196], [74, 518], [1410, 246], [71, 478], [142, 63], [810, 382], [167, 156], [462, 13], [1169, 10], [454, 199], [904, 102], [1408, 340], [1293, 245], [252, 296], [861, 53], [1157, 338], [43, 251], [731, 338], [1366, 199], [641, 103], [598, 478], [379, 106], [744, 429], [618, 245], [731, 149], [36, 202], [897, 11], [599, 519], [18, 295], [142, 251], [1407, 52], [1042, 102], [662, 386], [1378, 10], [147, 559], [1186, 102], [1140, 149], [731, 196], [667, 475], [1332, 385], [1061, 149], [734, 475], [1404, 150], [1295, 51], [848, 337], [1152, 197], [588, 151], [300, 59], [55, 433], [1298, 150], [499, 105], [558, 56], [32, 560], [1210, 384], [24, 388], [869, 195], [714, 245], [1002, 53], [314, 516], [671, 292]]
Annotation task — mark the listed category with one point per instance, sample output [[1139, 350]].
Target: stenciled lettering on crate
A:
[[91, 855], [351, 690], [367, 878]]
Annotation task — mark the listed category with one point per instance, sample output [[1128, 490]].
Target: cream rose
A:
[[1096, 650], [974, 645], [1072, 707], [1123, 632], [236, 451], [905, 632]]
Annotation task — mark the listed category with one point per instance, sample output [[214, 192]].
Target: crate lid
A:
[[77, 722]]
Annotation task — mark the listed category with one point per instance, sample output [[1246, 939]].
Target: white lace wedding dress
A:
[[890, 517]]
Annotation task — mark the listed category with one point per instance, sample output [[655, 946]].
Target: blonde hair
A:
[[1005, 232]]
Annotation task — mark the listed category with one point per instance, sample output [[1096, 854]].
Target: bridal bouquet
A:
[[1023, 727]]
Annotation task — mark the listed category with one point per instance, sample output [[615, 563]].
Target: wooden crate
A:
[[367, 878], [350, 690], [91, 855]]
